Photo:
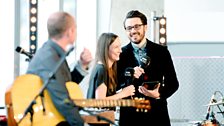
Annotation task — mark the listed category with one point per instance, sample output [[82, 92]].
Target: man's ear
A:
[[146, 27]]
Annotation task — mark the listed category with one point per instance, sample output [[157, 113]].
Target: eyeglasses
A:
[[136, 27]]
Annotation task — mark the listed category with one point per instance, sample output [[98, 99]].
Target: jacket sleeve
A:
[[170, 83], [78, 73]]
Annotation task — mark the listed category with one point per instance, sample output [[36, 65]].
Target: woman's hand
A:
[[85, 58], [128, 91]]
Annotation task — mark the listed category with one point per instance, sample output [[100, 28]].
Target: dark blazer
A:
[[161, 66], [77, 77]]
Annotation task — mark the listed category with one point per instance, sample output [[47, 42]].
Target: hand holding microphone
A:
[[138, 71], [144, 63]]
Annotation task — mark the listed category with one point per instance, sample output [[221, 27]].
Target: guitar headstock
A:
[[141, 104]]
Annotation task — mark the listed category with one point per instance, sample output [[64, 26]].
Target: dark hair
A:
[[102, 55], [134, 14]]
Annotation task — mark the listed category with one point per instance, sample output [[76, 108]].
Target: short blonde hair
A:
[[58, 23]]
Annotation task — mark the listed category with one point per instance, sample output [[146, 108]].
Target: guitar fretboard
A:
[[112, 103]]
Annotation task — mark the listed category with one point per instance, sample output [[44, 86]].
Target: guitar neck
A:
[[110, 103]]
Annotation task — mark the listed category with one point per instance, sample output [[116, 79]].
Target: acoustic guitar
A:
[[25, 88]]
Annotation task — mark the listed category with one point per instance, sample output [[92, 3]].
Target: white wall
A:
[[103, 16], [86, 25], [7, 47], [194, 20]]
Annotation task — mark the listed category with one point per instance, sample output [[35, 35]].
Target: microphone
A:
[[129, 71], [145, 61], [209, 106], [128, 74], [22, 51]]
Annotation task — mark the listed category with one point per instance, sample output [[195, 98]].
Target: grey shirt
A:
[[44, 63]]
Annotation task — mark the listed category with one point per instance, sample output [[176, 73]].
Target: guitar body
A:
[[22, 92], [25, 89]]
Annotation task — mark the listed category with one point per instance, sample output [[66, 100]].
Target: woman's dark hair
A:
[[102, 55]]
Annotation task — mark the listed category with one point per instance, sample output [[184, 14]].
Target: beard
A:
[[136, 37], [136, 42]]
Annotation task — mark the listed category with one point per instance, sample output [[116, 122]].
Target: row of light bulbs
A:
[[162, 31], [33, 25]]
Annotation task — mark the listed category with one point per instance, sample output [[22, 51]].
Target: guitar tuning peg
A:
[[137, 110]]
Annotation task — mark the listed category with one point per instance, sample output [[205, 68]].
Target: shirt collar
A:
[[141, 45], [58, 49]]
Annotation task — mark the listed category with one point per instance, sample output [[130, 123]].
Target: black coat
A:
[[161, 66]]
